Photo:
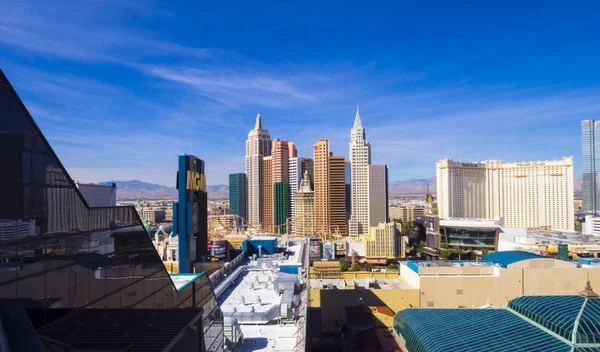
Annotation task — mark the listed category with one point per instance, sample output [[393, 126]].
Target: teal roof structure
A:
[[506, 258], [440, 330], [559, 314], [529, 323]]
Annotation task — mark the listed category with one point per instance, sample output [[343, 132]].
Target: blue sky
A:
[[121, 89]]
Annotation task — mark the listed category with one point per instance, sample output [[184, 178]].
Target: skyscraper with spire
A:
[[360, 159], [258, 145]]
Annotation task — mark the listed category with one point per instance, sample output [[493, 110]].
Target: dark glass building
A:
[[57, 255], [238, 194], [281, 206], [590, 146], [348, 190]]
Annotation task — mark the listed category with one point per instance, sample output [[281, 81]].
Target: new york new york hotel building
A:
[[84, 278]]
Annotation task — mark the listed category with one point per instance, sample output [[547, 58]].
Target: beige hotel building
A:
[[535, 194]]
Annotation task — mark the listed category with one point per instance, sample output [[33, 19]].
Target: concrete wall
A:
[[465, 270], [543, 263], [348, 275], [454, 291], [333, 303], [409, 276]]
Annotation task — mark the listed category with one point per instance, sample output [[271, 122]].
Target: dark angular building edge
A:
[[58, 255]]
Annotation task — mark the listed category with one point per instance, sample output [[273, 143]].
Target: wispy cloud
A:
[[235, 89], [66, 62], [91, 31]]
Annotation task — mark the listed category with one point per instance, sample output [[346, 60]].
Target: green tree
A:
[[343, 265], [406, 227], [369, 267], [445, 253], [393, 267], [355, 267], [420, 251]]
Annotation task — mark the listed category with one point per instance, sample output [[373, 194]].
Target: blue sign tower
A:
[[190, 218]]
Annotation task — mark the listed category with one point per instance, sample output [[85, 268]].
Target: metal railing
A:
[[302, 311]]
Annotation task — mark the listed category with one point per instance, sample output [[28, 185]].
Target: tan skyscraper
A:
[[281, 152], [267, 168], [337, 194], [321, 171], [305, 208]]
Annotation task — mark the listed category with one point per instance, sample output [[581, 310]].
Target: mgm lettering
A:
[[196, 181]]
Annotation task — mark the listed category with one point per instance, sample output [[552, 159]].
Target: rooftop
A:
[[384, 284], [533, 236], [263, 300], [467, 222], [507, 258], [182, 280], [452, 263]]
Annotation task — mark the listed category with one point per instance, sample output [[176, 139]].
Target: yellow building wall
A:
[[333, 303], [349, 275], [314, 298]]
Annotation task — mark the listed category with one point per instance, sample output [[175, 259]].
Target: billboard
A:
[[314, 248], [329, 251], [218, 249]]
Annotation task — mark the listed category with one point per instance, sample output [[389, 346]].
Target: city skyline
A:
[[176, 86]]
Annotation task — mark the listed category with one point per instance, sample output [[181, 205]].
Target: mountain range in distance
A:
[[136, 189]]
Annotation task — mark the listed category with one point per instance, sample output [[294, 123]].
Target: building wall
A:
[[281, 206], [378, 195], [304, 213], [238, 196], [592, 225], [407, 213], [461, 189], [527, 194], [383, 241], [257, 146], [268, 194], [538, 194], [308, 165], [281, 152], [474, 290], [295, 176], [333, 303], [337, 193], [321, 183], [98, 195]]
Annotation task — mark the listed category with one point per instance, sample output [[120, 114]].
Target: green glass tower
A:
[[238, 196], [281, 205]]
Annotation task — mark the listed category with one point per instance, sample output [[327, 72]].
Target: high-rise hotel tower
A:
[[360, 159], [534, 194], [590, 145], [258, 145]]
